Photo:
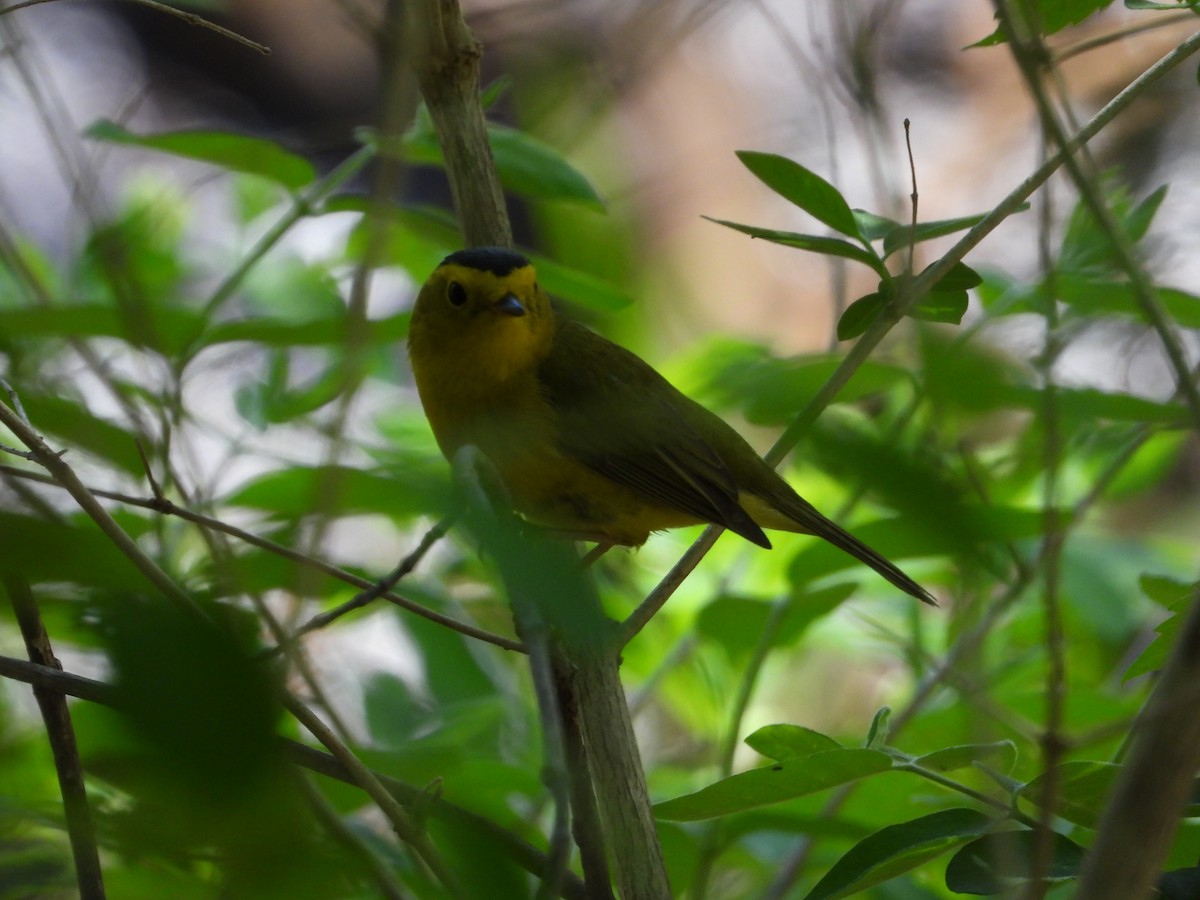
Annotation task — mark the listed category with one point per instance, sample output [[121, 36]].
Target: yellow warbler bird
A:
[[588, 438]]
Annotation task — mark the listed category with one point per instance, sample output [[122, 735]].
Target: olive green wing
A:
[[624, 421]]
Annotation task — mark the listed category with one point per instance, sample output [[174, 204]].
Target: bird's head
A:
[[481, 309]]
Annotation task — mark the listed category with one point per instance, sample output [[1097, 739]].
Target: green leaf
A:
[[273, 400], [71, 550], [877, 734], [1174, 7], [804, 188], [1000, 863], [737, 623], [895, 538], [314, 333], [532, 169], [344, 490], [1087, 297], [872, 227], [898, 235], [1087, 247], [964, 755], [896, 849], [961, 277], [238, 153], [770, 390], [859, 315], [780, 742], [774, 784], [1176, 597], [77, 426], [1052, 16], [578, 286], [1081, 790], [830, 246], [941, 306], [526, 166]]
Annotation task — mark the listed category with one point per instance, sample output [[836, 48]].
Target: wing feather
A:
[[624, 421]]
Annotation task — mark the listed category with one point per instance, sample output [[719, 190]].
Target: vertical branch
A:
[[1155, 784], [446, 59], [1029, 51], [62, 742], [616, 769], [543, 575]]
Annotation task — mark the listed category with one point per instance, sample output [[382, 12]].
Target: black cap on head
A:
[[497, 260]]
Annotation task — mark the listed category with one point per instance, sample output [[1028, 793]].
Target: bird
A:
[[588, 439]]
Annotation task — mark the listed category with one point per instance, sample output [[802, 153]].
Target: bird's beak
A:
[[509, 305]]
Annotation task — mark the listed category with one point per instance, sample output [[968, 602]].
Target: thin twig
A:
[[916, 289], [166, 507], [662, 592], [523, 854], [1144, 292], [1061, 55], [912, 167], [302, 206], [406, 829], [190, 18], [61, 735], [381, 588], [64, 475], [337, 829]]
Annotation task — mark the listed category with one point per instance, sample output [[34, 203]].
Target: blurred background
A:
[[649, 99]]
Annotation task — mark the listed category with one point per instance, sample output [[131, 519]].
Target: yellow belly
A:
[[552, 490]]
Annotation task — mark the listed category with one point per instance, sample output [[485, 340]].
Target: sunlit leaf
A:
[[738, 624], [780, 742]]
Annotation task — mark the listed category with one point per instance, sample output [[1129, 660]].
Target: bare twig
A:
[[302, 206], [913, 197], [406, 829], [662, 592], [61, 736], [337, 829], [64, 475], [190, 18], [1062, 54], [381, 588], [166, 507], [916, 289]]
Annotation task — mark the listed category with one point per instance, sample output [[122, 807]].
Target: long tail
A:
[[794, 513]]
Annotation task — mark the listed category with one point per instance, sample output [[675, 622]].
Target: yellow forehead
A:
[[518, 281]]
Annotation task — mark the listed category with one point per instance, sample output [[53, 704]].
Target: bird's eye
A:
[[456, 294]]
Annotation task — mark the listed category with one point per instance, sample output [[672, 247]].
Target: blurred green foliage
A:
[[754, 687]]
